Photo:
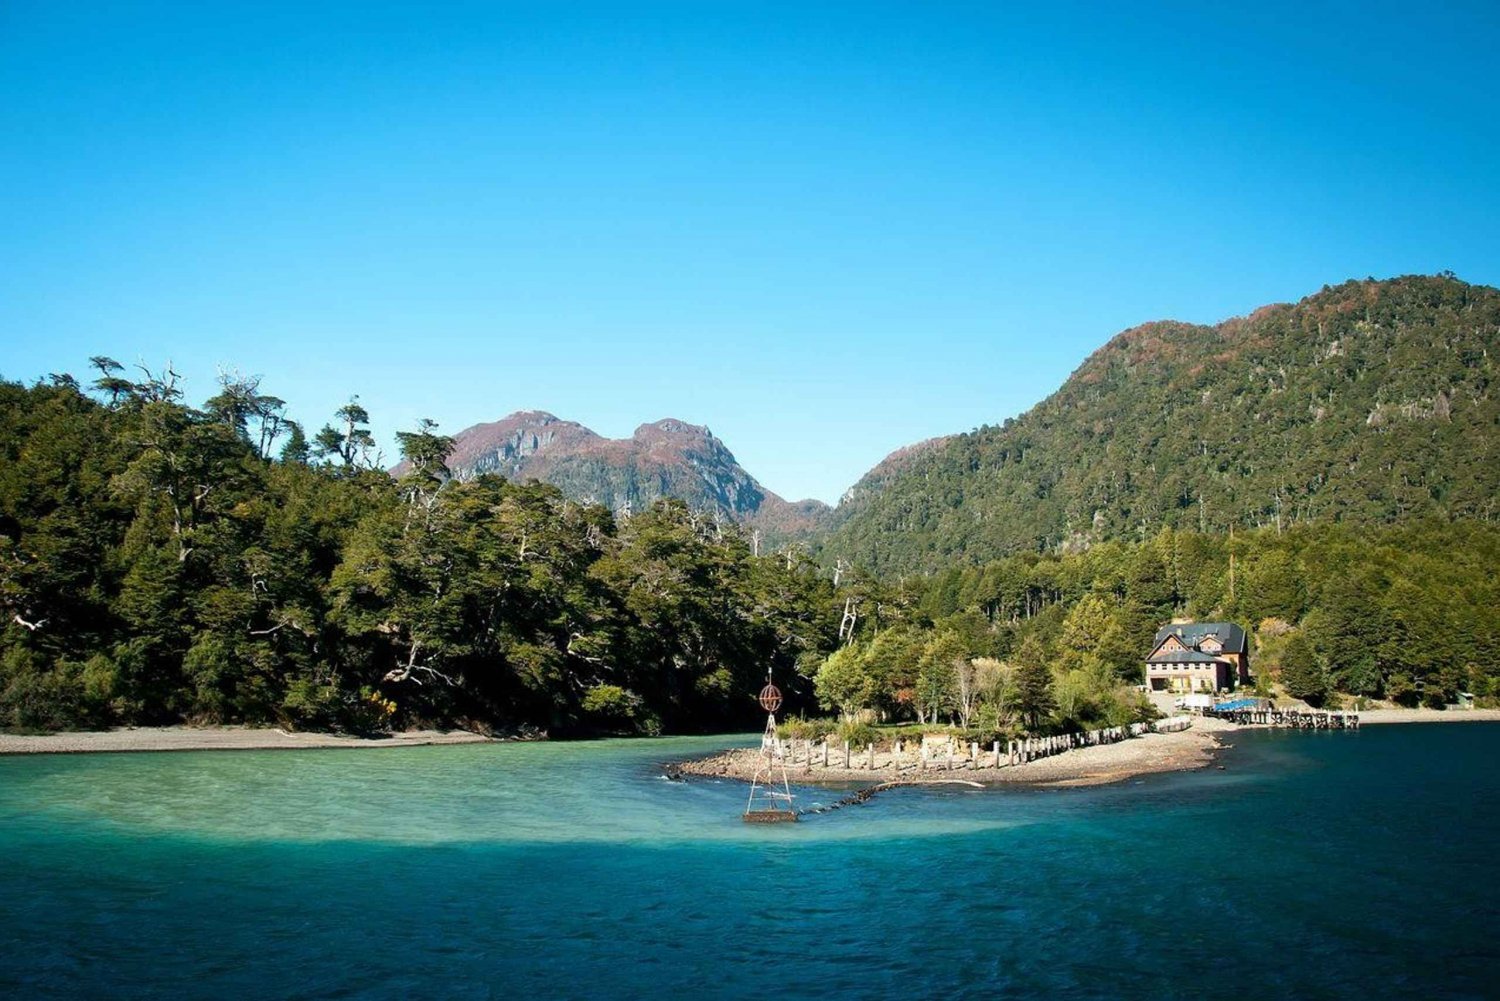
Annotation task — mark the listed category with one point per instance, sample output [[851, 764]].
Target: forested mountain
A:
[[891, 467], [1339, 613], [161, 563], [1371, 402], [666, 458]]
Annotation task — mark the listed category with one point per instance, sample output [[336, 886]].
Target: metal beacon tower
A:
[[770, 800]]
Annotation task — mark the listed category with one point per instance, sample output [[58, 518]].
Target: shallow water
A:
[[1337, 865]]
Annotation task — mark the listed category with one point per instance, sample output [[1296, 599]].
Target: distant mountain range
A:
[[666, 458], [1369, 402]]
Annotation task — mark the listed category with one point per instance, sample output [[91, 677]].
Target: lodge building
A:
[[1198, 657]]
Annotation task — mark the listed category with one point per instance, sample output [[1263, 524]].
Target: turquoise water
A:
[[1314, 865]]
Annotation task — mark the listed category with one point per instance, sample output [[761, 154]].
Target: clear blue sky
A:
[[823, 230]]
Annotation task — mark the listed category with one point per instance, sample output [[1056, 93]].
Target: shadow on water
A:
[[1313, 865]]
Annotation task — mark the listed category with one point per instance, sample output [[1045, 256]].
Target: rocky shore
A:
[[1148, 754]]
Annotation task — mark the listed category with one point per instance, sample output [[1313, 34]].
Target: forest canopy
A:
[[1369, 403], [1057, 641], [164, 563]]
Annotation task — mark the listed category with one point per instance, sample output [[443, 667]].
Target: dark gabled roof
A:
[[1184, 657], [1230, 636]]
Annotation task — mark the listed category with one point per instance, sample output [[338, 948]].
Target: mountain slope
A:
[[1369, 402], [667, 458]]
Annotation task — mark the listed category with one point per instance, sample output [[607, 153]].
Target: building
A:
[[1198, 657]]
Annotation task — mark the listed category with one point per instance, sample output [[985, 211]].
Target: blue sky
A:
[[823, 230]]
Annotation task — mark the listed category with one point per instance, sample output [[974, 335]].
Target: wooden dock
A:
[[1295, 719]]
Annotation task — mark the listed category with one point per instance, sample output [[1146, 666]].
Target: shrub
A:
[[611, 703], [308, 705], [209, 664], [69, 695], [1402, 691], [804, 729], [33, 698], [857, 732], [619, 709], [368, 712]]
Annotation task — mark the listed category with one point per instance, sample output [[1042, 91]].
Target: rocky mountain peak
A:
[[664, 458]]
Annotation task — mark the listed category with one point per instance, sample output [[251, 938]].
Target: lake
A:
[[1313, 865]]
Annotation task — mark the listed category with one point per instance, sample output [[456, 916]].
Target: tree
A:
[[843, 684], [110, 382], [1272, 587], [965, 690], [296, 449], [891, 660], [1301, 673], [1033, 694], [937, 675], [259, 419], [350, 441], [1086, 622], [1347, 627], [426, 455]]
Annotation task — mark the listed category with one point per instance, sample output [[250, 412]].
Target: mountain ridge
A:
[[1366, 402], [668, 457], [1270, 417]]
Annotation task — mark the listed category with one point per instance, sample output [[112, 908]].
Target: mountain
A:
[[1369, 402], [667, 458]]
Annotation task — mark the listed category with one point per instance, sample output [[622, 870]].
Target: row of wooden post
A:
[[1296, 719], [1014, 752]]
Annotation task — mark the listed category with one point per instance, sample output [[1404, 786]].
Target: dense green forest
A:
[[1369, 403], [160, 562], [1322, 473], [1339, 613]]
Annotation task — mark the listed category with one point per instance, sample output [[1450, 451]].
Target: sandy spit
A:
[[215, 738], [1085, 766]]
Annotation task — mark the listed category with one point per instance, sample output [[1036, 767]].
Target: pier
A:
[[1296, 719]]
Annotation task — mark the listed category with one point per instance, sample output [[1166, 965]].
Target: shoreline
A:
[[1152, 753], [1149, 754], [1381, 717], [156, 739], [1192, 749]]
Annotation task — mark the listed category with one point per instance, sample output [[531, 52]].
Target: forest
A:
[[1367, 403], [1339, 615], [164, 563]]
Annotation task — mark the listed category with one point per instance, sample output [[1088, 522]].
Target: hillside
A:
[[666, 458], [1370, 402]]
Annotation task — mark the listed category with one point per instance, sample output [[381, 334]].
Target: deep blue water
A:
[[1315, 865]]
